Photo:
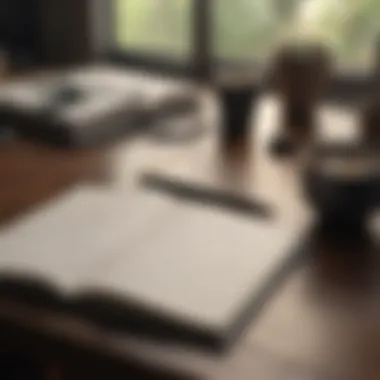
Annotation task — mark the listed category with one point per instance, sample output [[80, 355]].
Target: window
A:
[[158, 27], [350, 27], [246, 30], [251, 29]]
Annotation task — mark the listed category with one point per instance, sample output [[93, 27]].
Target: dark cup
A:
[[237, 103], [342, 183]]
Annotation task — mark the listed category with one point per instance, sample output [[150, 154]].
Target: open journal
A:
[[147, 264]]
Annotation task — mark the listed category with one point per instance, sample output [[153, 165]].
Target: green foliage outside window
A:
[[251, 29]]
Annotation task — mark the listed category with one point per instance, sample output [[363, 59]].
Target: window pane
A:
[[154, 26], [246, 29], [351, 27], [251, 29]]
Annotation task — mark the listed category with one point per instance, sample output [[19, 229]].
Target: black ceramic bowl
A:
[[342, 183]]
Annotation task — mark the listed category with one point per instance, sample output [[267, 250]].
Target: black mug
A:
[[237, 104]]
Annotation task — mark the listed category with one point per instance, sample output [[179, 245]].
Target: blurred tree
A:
[[247, 29]]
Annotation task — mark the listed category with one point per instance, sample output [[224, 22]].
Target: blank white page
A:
[[76, 233], [203, 267]]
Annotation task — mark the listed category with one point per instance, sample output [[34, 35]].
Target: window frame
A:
[[197, 66], [202, 65]]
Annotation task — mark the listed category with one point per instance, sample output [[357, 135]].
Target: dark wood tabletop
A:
[[322, 323]]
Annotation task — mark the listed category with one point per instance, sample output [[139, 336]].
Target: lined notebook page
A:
[[76, 233]]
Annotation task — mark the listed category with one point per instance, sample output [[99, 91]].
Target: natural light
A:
[[251, 29]]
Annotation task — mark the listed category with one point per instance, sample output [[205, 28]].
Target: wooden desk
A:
[[321, 324]]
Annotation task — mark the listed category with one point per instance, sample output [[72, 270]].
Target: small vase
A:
[[301, 76]]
